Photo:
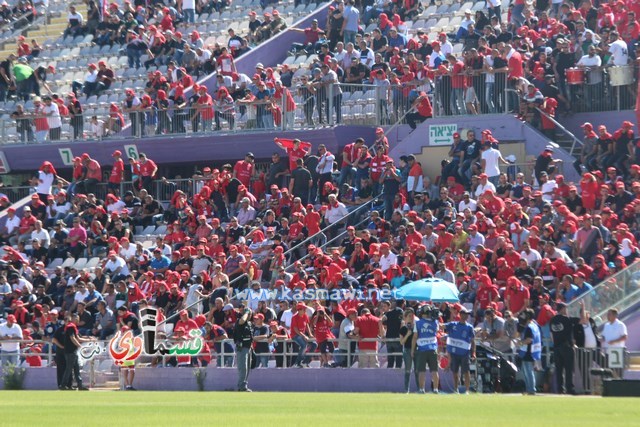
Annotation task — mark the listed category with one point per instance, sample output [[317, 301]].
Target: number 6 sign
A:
[[131, 151]]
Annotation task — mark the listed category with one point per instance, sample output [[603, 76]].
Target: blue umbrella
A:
[[434, 290]]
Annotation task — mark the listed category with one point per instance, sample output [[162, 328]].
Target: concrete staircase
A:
[[55, 26]]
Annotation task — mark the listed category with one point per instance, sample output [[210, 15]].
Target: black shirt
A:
[[59, 336], [404, 331], [393, 322], [302, 178], [276, 168], [561, 330], [69, 333]]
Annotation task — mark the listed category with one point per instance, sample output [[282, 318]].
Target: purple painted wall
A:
[[175, 150], [274, 51], [285, 380], [611, 119], [503, 127]]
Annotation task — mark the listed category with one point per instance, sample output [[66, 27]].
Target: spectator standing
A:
[[614, 331]]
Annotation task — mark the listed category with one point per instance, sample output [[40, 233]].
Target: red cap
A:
[[627, 124], [587, 126], [117, 153]]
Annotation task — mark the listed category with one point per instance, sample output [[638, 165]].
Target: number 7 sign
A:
[[67, 156]]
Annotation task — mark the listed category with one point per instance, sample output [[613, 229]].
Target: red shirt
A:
[[349, 153], [244, 170], [25, 223], [295, 154], [457, 78], [116, 172], [369, 328], [301, 322], [147, 168], [187, 326], [424, 106], [323, 330], [377, 166], [516, 298], [515, 66], [486, 295], [94, 170], [312, 222], [545, 315]]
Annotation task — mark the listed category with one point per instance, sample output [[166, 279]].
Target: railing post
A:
[[329, 94]]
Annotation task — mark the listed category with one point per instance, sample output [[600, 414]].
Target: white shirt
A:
[[96, 129], [386, 261], [489, 77], [619, 53], [325, 163], [91, 77], [13, 331], [53, 115], [45, 180], [23, 283], [81, 296], [466, 22], [533, 257], [474, 241], [116, 207], [128, 253], [548, 189], [286, 318], [42, 235], [613, 331], [472, 205], [491, 158], [333, 215], [595, 75], [188, 4], [589, 337], [446, 48], [480, 189], [77, 16], [112, 266], [12, 223]]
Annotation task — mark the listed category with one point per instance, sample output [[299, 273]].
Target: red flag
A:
[[288, 143]]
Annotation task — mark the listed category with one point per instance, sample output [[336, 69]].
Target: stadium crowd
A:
[[510, 243], [526, 65]]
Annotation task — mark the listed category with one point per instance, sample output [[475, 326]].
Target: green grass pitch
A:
[[187, 409]]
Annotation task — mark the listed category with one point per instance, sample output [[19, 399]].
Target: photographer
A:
[[529, 348], [243, 338], [425, 341], [390, 181]]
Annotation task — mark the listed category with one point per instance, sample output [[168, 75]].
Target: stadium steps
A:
[[57, 23]]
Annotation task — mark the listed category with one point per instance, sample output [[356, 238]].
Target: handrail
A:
[[243, 275], [563, 129], [575, 306], [325, 244], [321, 232]]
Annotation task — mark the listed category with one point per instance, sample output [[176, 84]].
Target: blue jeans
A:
[[346, 175], [265, 121], [189, 15], [302, 350], [529, 376], [10, 357], [517, 15], [242, 361], [134, 57], [262, 361], [349, 37], [457, 100], [488, 96]]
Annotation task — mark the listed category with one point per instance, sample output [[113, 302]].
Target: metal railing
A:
[[574, 140], [620, 290], [318, 104]]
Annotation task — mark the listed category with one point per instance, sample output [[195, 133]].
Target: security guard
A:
[[529, 348], [243, 338], [426, 344], [562, 327], [461, 346]]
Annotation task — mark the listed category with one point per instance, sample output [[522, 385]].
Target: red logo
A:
[[124, 348]]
